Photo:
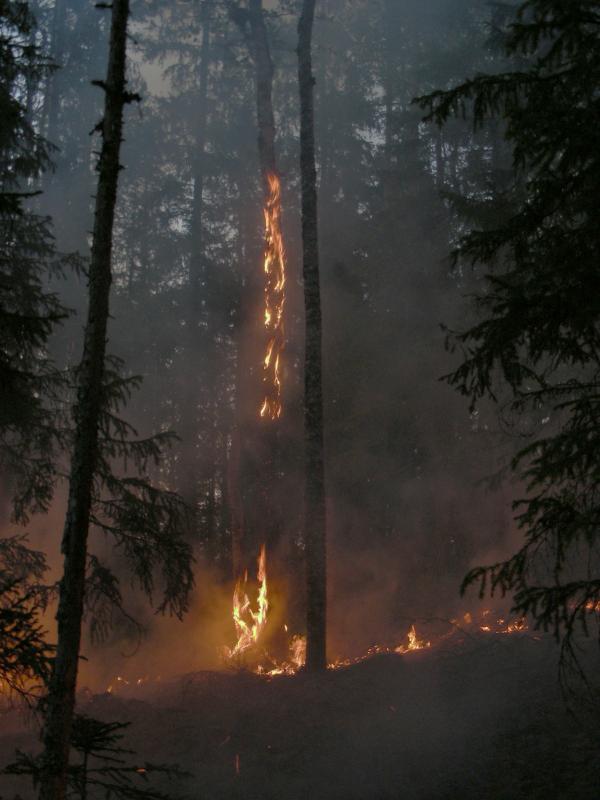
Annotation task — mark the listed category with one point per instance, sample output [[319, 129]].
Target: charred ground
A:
[[474, 718]]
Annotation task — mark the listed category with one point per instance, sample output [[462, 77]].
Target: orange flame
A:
[[413, 642], [249, 624], [274, 267]]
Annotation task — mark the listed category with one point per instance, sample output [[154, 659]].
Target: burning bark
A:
[[252, 24], [274, 301]]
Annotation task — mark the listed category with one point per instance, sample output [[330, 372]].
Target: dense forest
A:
[[299, 365]]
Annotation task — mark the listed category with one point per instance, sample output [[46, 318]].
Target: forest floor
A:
[[483, 719]]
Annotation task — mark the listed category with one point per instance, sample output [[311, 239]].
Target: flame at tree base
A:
[[250, 624], [250, 652]]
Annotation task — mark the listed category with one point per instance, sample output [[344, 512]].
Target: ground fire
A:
[[250, 624], [250, 651]]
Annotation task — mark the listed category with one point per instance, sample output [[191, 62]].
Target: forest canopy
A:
[[299, 344]]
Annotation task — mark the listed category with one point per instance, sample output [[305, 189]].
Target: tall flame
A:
[[274, 266], [249, 624]]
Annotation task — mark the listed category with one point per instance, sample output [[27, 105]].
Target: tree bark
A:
[[53, 87], [259, 45], [390, 46], [199, 338], [314, 520], [60, 702], [258, 439]]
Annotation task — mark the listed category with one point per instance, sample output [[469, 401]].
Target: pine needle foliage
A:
[[25, 656], [146, 521], [102, 767], [538, 331], [29, 311]]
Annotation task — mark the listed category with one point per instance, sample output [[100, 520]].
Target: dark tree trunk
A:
[[53, 87], [259, 45], [61, 692], [389, 85], [236, 508], [247, 391], [314, 520], [439, 160], [198, 337], [258, 440]]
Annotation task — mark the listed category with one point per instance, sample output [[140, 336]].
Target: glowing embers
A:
[[274, 266], [249, 624]]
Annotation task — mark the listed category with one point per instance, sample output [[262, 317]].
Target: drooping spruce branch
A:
[[93, 441], [102, 766], [25, 655], [538, 334]]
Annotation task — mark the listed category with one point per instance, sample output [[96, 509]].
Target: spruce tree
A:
[[29, 311], [25, 656], [145, 522], [102, 766], [536, 345]]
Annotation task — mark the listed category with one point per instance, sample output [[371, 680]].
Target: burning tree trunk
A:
[[61, 693], [314, 521], [252, 24], [274, 265], [253, 440]]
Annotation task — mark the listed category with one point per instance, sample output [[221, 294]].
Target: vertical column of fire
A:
[[249, 624], [250, 19], [274, 266]]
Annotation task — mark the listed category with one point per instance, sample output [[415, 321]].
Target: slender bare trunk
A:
[[259, 45], [61, 693], [236, 508], [314, 520], [259, 434], [439, 160], [389, 86], [50, 111], [196, 331]]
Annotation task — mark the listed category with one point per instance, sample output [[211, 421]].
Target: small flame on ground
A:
[[274, 267], [413, 642]]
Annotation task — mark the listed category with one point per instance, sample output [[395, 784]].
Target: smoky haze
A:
[[407, 508]]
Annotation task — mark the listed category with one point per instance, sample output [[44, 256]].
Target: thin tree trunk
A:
[[439, 160], [197, 244], [314, 520], [245, 397], [196, 332], [236, 508], [57, 47], [61, 692], [388, 77], [254, 434], [259, 44]]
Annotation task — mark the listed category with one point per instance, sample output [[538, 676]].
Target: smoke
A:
[[407, 512]]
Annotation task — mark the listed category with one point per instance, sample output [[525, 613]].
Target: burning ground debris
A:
[[254, 629], [442, 722], [249, 624]]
